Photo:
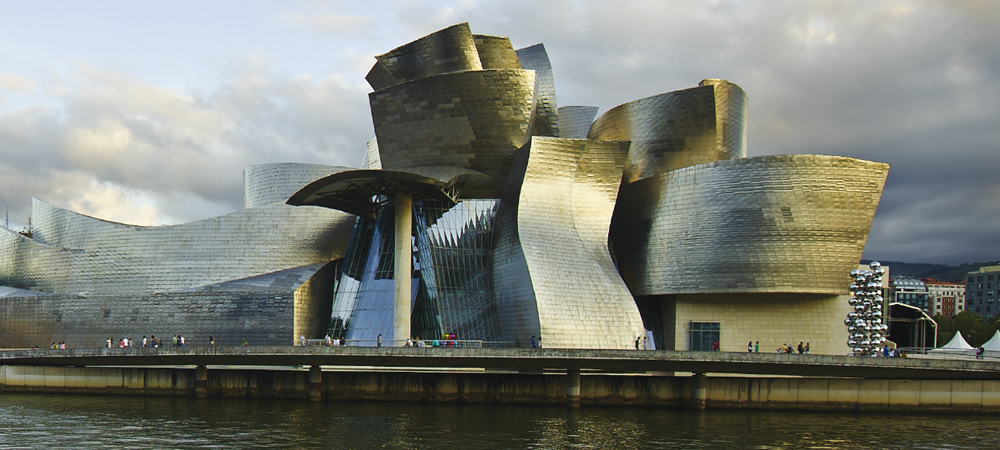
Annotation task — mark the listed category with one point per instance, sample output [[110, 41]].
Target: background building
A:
[[910, 291], [945, 298], [981, 291]]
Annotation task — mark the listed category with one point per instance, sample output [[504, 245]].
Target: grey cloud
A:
[[185, 151]]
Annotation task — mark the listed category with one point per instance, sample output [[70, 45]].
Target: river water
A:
[[79, 421]]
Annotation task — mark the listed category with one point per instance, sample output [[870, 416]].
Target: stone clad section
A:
[[791, 223], [474, 120], [562, 216], [764, 318]]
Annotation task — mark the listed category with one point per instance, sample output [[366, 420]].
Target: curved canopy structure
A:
[[357, 191]]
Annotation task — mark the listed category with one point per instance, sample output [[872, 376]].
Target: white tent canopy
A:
[[956, 343], [994, 343]]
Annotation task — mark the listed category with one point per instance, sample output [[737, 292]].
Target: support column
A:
[[201, 382], [315, 384], [573, 388], [403, 268], [698, 391]]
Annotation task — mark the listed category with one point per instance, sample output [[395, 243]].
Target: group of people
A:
[[802, 349], [536, 343], [178, 340], [753, 347], [642, 341], [61, 345], [889, 352]]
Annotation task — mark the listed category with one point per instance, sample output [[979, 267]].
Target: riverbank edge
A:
[[540, 388]]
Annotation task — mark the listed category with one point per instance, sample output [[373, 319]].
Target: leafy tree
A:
[[975, 330]]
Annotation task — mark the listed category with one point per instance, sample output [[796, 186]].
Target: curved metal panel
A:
[[553, 274], [677, 129], [275, 182], [474, 120], [574, 121], [80, 254], [452, 49], [546, 122], [789, 223], [496, 52]]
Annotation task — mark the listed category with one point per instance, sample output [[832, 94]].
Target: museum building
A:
[[483, 210]]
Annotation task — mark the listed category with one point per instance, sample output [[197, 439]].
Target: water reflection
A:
[[28, 420]]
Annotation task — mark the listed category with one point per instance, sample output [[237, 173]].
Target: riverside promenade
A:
[[509, 375], [516, 359]]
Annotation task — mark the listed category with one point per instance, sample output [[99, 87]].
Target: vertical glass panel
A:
[[452, 266], [454, 246]]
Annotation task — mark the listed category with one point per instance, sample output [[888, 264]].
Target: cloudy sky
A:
[[147, 112]]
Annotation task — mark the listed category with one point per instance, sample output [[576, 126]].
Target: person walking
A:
[[750, 347], [756, 346], [378, 340]]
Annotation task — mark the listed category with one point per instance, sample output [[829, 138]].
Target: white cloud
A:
[[333, 23], [12, 82]]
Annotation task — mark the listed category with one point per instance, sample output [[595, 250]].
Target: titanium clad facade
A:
[[473, 120], [528, 220], [553, 274], [546, 121], [452, 49], [731, 109], [111, 279], [73, 253], [272, 183], [574, 121], [262, 309], [496, 52], [789, 223], [678, 129]]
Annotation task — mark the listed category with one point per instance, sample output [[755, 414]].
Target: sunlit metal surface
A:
[[574, 121], [275, 182], [111, 279], [553, 275], [789, 223], [452, 49], [474, 120], [546, 109], [678, 129]]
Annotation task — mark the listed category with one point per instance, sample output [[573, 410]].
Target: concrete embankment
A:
[[524, 388]]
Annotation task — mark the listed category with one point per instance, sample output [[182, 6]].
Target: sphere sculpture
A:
[[865, 330]]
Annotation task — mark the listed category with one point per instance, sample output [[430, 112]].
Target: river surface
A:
[[81, 421]]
